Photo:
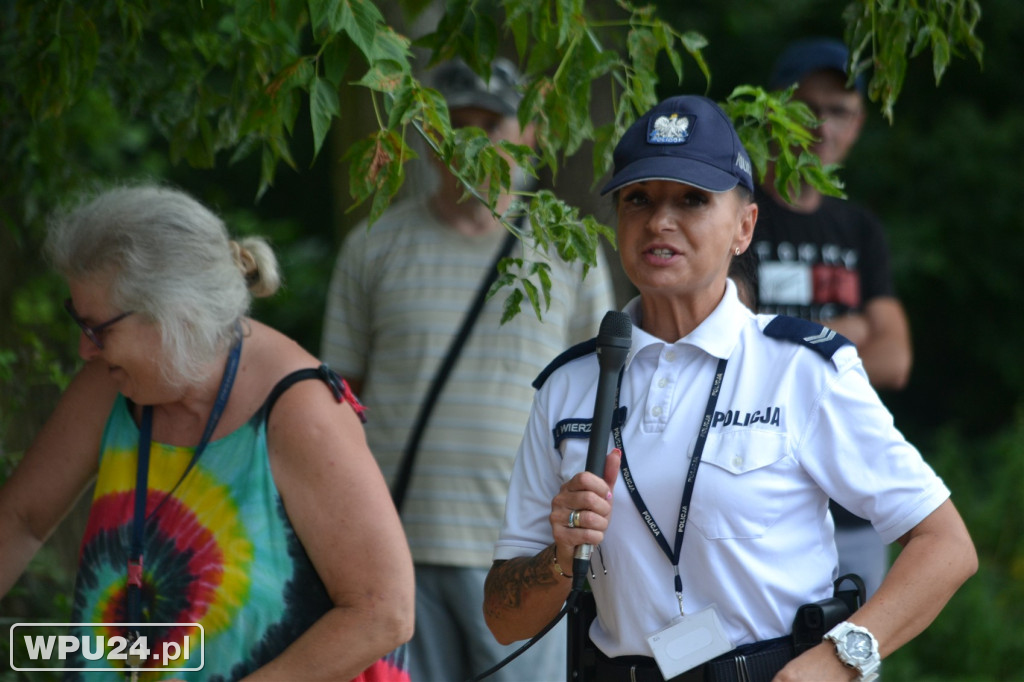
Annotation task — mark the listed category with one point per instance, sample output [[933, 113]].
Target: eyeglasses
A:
[[837, 115], [92, 332]]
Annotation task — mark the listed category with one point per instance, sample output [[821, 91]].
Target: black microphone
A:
[[613, 341]]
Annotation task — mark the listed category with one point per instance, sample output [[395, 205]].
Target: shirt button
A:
[[662, 382], [670, 355], [737, 461], [656, 411]]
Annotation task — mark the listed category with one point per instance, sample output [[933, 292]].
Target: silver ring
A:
[[574, 519]]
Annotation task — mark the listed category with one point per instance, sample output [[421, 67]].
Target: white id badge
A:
[[688, 642]]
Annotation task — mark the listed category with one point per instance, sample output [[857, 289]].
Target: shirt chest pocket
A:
[[741, 485]]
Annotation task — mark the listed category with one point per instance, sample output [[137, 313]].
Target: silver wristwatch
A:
[[856, 648]]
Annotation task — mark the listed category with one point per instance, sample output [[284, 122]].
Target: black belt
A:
[[757, 662]]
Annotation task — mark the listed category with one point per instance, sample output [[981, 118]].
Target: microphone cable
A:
[[570, 602]]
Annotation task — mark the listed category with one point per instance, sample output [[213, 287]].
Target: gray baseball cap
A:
[[462, 87]]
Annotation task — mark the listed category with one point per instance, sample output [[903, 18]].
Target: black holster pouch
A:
[[812, 621]]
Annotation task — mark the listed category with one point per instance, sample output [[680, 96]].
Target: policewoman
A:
[[732, 431]]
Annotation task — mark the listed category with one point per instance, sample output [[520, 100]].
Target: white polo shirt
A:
[[791, 429]]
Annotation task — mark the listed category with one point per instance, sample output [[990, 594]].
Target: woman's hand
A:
[[819, 664], [581, 510]]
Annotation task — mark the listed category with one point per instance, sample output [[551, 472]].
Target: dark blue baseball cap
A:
[[686, 138], [812, 54]]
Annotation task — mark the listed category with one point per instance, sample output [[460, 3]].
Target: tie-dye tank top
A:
[[220, 552]]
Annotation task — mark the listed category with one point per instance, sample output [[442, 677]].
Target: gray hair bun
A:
[[256, 260]]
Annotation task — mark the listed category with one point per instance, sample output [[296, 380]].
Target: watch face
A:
[[858, 646]]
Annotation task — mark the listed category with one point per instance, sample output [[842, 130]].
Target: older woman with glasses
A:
[[231, 495]]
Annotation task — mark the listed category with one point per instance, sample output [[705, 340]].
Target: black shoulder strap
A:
[[323, 372], [404, 475]]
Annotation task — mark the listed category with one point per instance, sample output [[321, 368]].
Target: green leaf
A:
[[377, 170], [404, 105], [336, 56], [268, 166], [941, 54], [358, 19], [533, 295], [485, 43], [505, 278], [694, 43], [383, 76], [453, 26], [517, 20], [543, 272], [392, 47], [387, 187], [434, 112], [513, 305], [361, 156], [323, 107], [298, 73]]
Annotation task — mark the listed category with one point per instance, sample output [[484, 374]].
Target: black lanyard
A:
[[673, 553], [142, 478]]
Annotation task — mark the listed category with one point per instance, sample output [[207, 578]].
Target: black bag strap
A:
[[401, 484], [323, 373]]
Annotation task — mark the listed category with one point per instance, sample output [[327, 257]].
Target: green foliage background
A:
[[945, 176]]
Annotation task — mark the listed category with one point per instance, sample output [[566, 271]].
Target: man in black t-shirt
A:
[[823, 258]]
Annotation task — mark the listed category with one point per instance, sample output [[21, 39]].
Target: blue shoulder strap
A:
[[577, 351], [821, 339]]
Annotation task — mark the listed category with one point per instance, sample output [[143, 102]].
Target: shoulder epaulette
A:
[[577, 351], [821, 339]]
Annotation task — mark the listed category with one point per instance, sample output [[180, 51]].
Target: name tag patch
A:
[[571, 428], [580, 428]]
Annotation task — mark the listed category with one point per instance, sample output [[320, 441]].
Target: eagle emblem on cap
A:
[[673, 129]]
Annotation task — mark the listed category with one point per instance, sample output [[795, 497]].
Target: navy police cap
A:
[[686, 138]]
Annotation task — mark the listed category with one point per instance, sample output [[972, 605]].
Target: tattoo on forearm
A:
[[510, 580]]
